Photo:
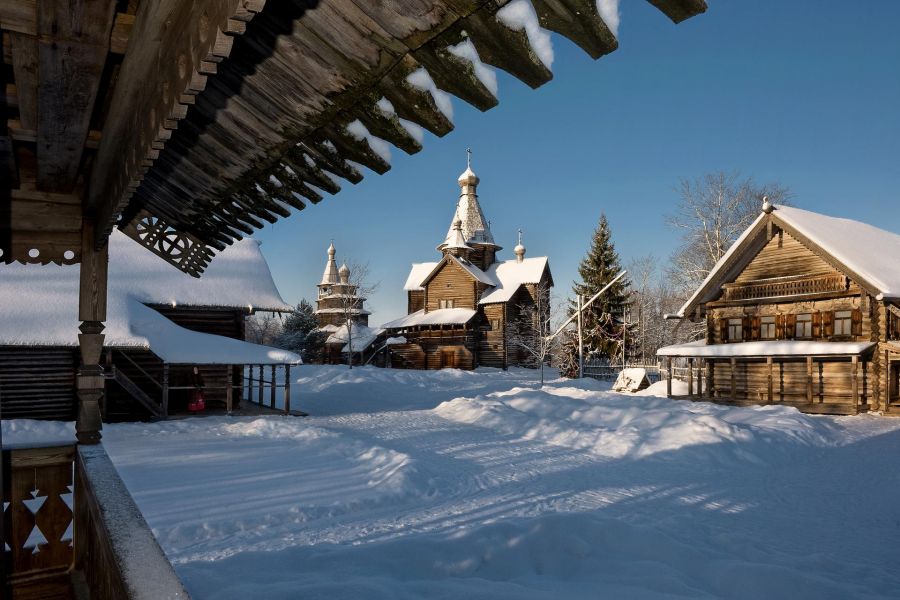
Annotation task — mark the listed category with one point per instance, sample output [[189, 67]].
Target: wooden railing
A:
[[114, 546], [785, 286], [72, 525]]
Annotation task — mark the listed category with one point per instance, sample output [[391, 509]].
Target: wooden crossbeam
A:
[[71, 51], [679, 10]]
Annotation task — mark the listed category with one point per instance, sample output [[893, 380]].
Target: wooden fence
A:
[[607, 372]]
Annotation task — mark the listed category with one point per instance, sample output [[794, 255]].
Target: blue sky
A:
[[804, 93]]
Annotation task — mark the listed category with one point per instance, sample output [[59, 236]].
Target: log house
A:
[[462, 307], [803, 310]]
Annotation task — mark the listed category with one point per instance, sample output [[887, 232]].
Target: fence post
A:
[[287, 389], [580, 338], [668, 376]]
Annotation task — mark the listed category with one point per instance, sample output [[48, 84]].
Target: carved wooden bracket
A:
[[179, 249]]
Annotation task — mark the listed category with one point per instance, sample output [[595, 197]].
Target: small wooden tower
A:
[[337, 295]]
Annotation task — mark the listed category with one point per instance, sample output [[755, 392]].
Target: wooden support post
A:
[[229, 389], [854, 379], [887, 382], [90, 383], [287, 389], [809, 379], [690, 377], [668, 376], [710, 378], [273, 389], [770, 383], [165, 391], [733, 379], [261, 384]]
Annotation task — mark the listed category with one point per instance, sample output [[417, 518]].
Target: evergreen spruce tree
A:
[[602, 320], [300, 332]]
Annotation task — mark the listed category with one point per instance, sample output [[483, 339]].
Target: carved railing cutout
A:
[[179, 249]]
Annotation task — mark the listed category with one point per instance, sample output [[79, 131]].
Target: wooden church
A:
[[463, 307], [339, 300], [803, 310]]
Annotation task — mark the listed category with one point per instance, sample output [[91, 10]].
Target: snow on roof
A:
[[510, 275], [860, 247], [334, 311], [466, 266], [40, 302], [765, 348], [442, 316], [866, 250], [177, 345], [361, 339], [417, 275]]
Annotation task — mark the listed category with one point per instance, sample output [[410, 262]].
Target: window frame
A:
[[735, 325], [844, 323], [806, 323], [767, 324]]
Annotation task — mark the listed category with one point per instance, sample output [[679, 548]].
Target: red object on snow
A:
[[197, 403]]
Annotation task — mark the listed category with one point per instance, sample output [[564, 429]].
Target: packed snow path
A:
[[452, 484]]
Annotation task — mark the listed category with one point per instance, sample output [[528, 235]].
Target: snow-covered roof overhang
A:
[[177, 345], [473, 271], [858, 250], [443, 316], [763, 349], [40, 302], [511, 275], [417, 275]]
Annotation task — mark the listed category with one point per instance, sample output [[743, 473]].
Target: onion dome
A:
[[519, 250], [344, 273]]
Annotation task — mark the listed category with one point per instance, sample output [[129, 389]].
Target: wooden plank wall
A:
[[226, 322], [492, 345], [451, 283], [38, 383], [784, 256], [415, 301], [832, 383]]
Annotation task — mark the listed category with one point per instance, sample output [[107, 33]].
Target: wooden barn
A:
[[462, 308], [803, 310], [162, 322]]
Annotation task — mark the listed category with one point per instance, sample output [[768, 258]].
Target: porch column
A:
[[769, 381], [710, 378], [690, 377], [668, 376], [165, 390], [90, 384], [274, 388], [887, 382], [229, 389], [733, 379], [809, 378], [854, 379], [287, 389]]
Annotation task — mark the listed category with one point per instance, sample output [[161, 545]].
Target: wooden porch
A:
[[833, 384]]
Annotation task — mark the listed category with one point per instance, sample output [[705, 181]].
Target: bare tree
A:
[[713, 212], [263, 328], [531, 329], [352, 292]]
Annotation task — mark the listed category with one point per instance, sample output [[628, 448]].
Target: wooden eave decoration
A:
[[192, 124]]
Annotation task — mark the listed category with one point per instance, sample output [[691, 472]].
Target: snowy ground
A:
[[454, 484]]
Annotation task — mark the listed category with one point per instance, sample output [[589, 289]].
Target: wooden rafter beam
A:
[[173, 64], [73, 42]]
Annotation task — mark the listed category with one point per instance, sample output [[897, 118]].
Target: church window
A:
[[735, 330], [804, 326], [445, 303], [767, 328], [842, 322]]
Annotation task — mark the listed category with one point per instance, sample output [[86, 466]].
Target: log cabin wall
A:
[[38, 382], [451, 284], [831, 383], [415, 301], [492, 349]]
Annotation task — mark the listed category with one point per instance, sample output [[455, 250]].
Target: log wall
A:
[[451, 283], [38, 383]]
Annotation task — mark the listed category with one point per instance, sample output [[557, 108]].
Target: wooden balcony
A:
[[785, 287], [72, 530]]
